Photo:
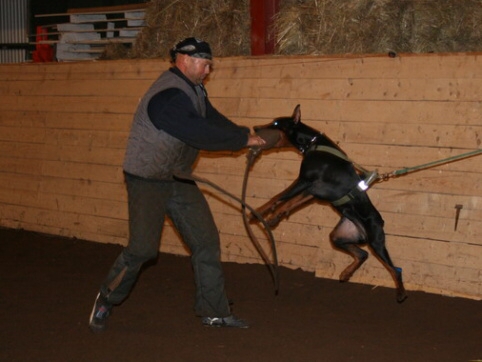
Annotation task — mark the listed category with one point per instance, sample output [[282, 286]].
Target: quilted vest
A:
[[153, 153]]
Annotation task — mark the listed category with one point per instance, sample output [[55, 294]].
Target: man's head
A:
[[193, 57], [193, 47]]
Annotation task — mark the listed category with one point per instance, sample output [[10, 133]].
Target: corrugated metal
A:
[[12, 55], [14, 26]]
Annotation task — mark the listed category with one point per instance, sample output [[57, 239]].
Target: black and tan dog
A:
[[328, 175]]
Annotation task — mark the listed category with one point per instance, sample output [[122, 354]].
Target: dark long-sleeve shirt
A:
[[172, 111]]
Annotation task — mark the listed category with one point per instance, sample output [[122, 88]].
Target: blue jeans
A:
[[149, 202]]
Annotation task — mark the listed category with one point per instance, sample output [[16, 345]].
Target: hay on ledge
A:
[[378, 26], [224, 24], [313, 27]]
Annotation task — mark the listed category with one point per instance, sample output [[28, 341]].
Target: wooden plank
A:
[[87, 20], [14, 181], [87, 155], [56, 230], [98, 30], [408, 112], [133, 74], [21, 151], [430, 228], [446, 89], [121, 69], [97, 50], [26, 167], [18, 197], [124, 40], [379, 133], [98, 10], [109, 122], [84, 188], [15, 134], [95, 207], [109, 9], [71, 223], [422, 203], [86, 87], [21, 119], [88, 140], [84, 171], [68, 104], [406, 66]]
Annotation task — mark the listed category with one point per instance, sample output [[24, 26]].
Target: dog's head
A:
[[287, 132], [276, 134]]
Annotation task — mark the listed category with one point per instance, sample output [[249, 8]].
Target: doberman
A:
[[328, 175]]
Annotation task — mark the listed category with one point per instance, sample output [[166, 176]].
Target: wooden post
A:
[[262, 14]]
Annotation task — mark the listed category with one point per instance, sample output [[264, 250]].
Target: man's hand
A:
[[254, 140]]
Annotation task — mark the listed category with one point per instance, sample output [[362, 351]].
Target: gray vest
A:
[[153, 153]]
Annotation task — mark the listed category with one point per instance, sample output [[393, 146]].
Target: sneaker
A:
[[229, 321], [100, 313]]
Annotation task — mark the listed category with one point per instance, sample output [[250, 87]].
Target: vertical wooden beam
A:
[[262, 15]]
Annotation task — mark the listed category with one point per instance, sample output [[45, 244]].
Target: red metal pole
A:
[[262, 16]]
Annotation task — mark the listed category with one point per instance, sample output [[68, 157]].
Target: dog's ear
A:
[[297, 114]]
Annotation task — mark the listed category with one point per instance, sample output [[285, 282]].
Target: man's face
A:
[[197, 69]]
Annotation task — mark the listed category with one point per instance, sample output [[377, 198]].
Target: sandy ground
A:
[[48, 285]]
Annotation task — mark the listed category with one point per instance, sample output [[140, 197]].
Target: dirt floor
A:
[[48, 285]]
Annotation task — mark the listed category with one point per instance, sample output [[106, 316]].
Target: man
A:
[[173, 121]]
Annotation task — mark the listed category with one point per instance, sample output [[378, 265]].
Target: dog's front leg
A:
[[269, 207], [293, 196], [278, 208], [284, 209]]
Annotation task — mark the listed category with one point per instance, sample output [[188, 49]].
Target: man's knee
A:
[[136, 257]]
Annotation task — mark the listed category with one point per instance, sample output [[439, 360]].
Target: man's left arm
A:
[[215, 116]]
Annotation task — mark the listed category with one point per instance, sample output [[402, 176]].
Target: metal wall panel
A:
[[14, 29]]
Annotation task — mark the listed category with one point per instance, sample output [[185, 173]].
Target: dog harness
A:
[[362, 186]]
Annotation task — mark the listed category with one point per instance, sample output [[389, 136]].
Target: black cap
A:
[[192, 47]]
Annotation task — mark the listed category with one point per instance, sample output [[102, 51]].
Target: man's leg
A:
[[146, 202], [192, 217]]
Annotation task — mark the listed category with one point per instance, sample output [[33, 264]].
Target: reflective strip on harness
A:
[[361, 187]]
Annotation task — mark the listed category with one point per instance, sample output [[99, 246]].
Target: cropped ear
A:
[[297, 114]]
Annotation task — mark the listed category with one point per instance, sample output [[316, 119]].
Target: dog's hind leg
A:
[[345, 236], [377, 244]]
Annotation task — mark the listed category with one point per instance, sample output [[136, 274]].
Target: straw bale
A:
[[444, 26], [314, 27], [378, 26], [115, 51], [225, 24]]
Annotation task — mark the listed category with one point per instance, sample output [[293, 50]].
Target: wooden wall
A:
[[63, 131]]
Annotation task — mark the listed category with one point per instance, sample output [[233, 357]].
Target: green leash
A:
[[406, 170]]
